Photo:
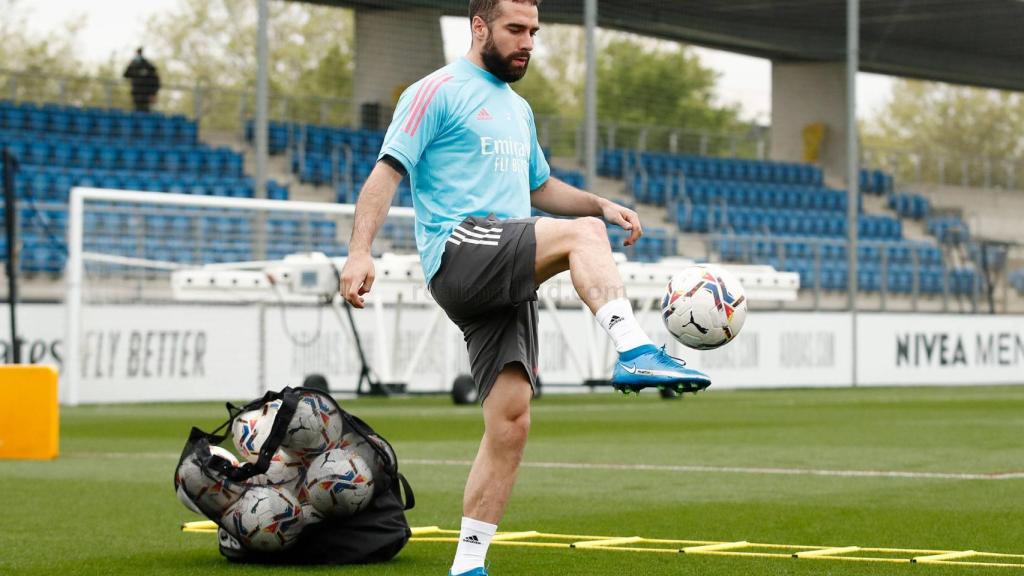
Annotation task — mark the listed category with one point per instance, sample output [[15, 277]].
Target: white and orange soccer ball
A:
[[286, 470], [251, 428], [203, 492], [378, 464], [265, 518], [339, 483], [704, 307], [315, 428]]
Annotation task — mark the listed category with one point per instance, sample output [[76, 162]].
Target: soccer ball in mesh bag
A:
[[203, 492], [310, 514], [265, 518], [315, 427], [355, 442], [339, 483], [286, 470], [251, 428], [704, 307]]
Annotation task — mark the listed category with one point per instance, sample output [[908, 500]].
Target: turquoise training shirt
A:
[[469, 144]]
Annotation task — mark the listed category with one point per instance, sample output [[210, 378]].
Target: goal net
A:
[[179, 297]]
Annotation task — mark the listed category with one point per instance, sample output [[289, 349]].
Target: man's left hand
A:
[[624, 218]]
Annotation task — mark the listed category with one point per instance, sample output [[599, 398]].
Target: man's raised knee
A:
[[592, 228]]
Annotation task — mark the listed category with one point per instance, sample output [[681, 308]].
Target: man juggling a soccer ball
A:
[[469, 145]]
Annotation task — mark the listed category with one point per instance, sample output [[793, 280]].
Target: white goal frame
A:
[[77, 256]]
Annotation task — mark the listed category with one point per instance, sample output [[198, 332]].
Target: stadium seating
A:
[[948, 229], [43, 184], [42, 150], [317, 140], [59, 147], [876, 182], [618, 163], [570, 177], [94, 123], [1017, 280], [829, 259], [655, 244], [908, 205], [780, 214], [165, 237]]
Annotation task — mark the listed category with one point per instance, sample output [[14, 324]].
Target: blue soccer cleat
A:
[[650, 367], [473, 572]]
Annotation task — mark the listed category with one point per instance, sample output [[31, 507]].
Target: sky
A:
[[118, 26]]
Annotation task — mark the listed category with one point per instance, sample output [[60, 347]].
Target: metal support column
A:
[[852, 167], [12, 255], [261, 128], [590, 95]]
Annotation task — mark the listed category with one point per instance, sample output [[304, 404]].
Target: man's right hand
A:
[[357, 278]]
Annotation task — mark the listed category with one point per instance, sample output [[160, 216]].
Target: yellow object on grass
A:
[[29, 418]]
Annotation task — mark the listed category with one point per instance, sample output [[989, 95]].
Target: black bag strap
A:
[[289, 398], [409, 501]]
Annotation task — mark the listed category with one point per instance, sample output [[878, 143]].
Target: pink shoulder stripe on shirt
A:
[[414, 120], [420, 93], [424, 87]]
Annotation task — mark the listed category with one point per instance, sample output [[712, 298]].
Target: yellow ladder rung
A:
[[424, 530], [607, 542], [943, 557], [826, 551], [514, 535], [199, 526], [714, 547]]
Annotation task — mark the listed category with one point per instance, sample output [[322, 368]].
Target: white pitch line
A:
[[653, 468], [746, 470]]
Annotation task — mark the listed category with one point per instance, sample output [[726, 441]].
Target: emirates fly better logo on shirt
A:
[[509, 155]]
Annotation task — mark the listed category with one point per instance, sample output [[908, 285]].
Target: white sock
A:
[[474, 539], [616, 317]]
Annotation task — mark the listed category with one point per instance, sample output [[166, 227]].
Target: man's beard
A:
[[504, 68]]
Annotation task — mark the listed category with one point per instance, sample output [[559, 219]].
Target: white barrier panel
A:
[[144, 353], [208, 352], [778, 349], [148, 353], [41, 329], [913, 349]]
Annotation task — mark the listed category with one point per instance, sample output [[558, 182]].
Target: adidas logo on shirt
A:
[[471, 539], [483, 114]]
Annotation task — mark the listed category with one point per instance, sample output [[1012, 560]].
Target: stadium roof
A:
[[970, 42]]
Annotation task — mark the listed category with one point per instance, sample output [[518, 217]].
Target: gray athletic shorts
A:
[[486, 286]]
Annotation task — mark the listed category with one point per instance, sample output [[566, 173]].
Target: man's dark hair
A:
[[490, 9]]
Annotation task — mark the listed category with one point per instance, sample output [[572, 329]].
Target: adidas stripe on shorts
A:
[[486, 286]]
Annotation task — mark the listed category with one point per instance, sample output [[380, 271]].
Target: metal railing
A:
[[937, 167], [564, 137], [217, 109]]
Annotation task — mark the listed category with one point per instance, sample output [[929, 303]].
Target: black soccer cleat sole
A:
[[677, 387]]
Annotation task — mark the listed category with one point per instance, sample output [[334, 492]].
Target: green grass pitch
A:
[[107, 505]]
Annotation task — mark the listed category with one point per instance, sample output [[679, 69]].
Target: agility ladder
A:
[[536, 539]]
